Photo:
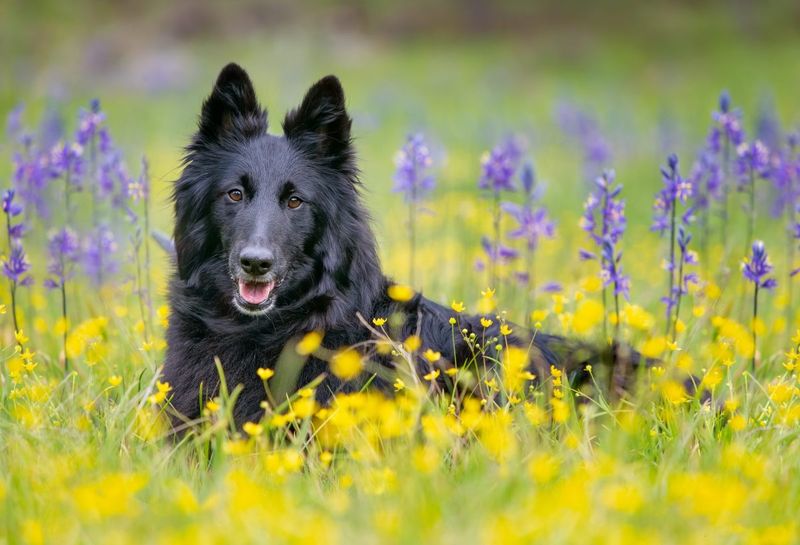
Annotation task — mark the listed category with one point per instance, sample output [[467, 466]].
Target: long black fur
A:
[[325, 253]]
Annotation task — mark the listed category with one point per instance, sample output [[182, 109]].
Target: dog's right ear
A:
[[232, 110]]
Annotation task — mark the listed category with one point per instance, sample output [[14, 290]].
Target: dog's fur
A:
[[324, 268]]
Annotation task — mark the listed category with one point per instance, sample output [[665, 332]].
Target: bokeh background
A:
[[466, 74]]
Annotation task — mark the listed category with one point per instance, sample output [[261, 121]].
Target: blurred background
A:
[[644, 76]]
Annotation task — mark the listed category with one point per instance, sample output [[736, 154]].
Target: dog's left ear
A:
[[320, 126]]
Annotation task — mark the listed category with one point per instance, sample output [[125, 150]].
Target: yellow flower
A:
[[674, 392], [505, 330], [457, 306], [162, 389], [212, 405], [432, 356], [379, 321], [309, 343], [20, 337], [400, 292], [486, 322], [346, 364], [265, 374], [412, 343], [163, 316], [399, 385], [115, 380], [433, 375], [252, 429], [737, 423], [538, 316], [451, 371], [588, 315]]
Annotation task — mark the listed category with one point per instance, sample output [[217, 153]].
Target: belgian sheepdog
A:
[[272, 241]]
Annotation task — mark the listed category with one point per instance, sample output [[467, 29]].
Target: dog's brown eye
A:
[[294, 202], [235, 195]]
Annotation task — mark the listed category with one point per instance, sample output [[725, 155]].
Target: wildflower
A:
[[252, 429], [400, 292], [99, 250], [346, 364], [457, 306], [433, 375], [413, 179], [607, 235], [431, 356], [486, 322], [379, 322], [412, 343], [162, 389], [499, 166], [583, 128], [265, 374], [757, 266], [309, 343], [399, 385], [21, 338], [115, 380], [505, 330]]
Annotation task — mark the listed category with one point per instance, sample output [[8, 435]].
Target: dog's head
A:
[[255, 212]]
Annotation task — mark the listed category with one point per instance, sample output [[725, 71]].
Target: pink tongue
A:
[[255, 293]]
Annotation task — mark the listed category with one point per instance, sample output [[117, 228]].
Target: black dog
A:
[[273, 241]]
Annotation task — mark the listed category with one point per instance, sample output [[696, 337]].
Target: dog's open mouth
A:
[[255, 293]]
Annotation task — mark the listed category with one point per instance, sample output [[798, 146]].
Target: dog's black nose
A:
[[256, 261]]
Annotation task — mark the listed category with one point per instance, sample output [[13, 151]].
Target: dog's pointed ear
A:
[[232, 108], [320, 126]]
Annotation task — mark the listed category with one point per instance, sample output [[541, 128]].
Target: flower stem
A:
[[755, 315]]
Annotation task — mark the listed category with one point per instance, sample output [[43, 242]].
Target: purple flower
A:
[[99, 260], [16, 265], [533, 224], [63, 249], [412, 162], [581, 127], [14, 122], [607, 234], [751, 159], [757, 266], [499, 166], [89, 122], [727, 125], [501, 254], [676, 189]]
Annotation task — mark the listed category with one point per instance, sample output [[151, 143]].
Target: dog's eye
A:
[[235, 195], [294, 202]]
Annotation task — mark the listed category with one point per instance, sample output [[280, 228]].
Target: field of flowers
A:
[[565, 215]]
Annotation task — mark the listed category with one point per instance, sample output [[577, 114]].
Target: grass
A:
[[84, 458]]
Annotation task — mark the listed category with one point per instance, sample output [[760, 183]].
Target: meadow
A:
[[612, 191]]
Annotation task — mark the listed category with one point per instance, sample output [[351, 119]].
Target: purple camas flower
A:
[[581, 127], [89, 123], [63, 249], [533, 223], [676, 189], [16, 265], [412, 176], [727, 125], [757, 266], [14, 129], [500, 165], [607, 234], [752, 159], [499, 253], [99, 259]]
